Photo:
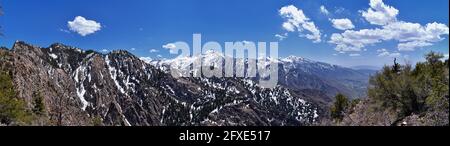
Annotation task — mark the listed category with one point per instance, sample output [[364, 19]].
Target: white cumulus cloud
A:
[[410, 46], [380, 13], [83, 26], [342, 24], [295, 20], [386, 53], [408, 35]]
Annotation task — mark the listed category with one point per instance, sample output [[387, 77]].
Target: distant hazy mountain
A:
[[366, 67]]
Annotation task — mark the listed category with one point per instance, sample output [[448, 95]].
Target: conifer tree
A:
[[39, 106], [339, 107]]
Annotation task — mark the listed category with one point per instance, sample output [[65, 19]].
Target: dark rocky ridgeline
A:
[[89, 88]]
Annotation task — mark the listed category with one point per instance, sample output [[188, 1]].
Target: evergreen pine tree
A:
[[339, 107], [12, 110], [39, 106]]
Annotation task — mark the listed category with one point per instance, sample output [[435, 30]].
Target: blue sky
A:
[[150, 24]]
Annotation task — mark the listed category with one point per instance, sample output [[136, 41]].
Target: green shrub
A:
[[39, 105], [339, 107], [97, 121], [412, 91]]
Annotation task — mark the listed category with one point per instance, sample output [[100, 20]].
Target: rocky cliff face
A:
[[85, 87]]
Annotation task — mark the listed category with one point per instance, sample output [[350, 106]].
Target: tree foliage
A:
[[39, 106], [339, 107], [411, 90], [97, 121], [12, 110]]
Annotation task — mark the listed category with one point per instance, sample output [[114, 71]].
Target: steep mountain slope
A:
[[84, 87], [301, 73]]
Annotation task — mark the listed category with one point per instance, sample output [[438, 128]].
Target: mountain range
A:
[[294, 72], [80, 87]]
